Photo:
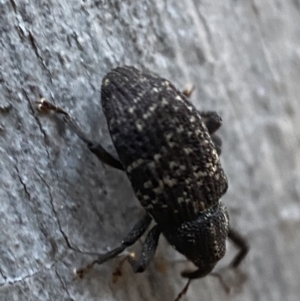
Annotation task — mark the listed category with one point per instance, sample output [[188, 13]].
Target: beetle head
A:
[[202, 240]]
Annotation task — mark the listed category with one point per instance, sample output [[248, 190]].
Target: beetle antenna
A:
[[183, 291]]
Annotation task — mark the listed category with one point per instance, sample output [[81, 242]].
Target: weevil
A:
[[170, 153]]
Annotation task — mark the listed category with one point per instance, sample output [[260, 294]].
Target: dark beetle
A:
[[170, 153]]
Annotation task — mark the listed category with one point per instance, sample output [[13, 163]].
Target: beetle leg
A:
[[242, 244], [217, 142], [96, 148], [137, 231], [148, 251], [104, 156], [212, 120]]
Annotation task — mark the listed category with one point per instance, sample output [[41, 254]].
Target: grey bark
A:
[[58, 202]]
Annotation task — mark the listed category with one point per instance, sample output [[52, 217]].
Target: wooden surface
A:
[[57, 202]]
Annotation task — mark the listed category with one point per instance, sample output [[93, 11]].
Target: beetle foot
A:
[[118, 271], [188, 90], [231, 279], [80, 273], [45, 106]]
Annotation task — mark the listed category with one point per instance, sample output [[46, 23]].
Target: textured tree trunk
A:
[[58, 202]]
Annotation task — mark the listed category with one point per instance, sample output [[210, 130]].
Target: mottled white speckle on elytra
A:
[[165, 83], [161, 184], [178, 98], [140, 161], [153, 107], [157, 157], [152, 165], [154, 201], [200, 174], [180, 129], [157, 190], [202, 136], [213, 230], [146, 116], [192, 240], [207, 149], [192, 119], [132, 109], [106, 82], [215, 154], [213, 168], [182, 167], [164, 102], [143, 79], [134, 165], [139, 125], [148, 184], [173, 164], [146, 198], [226, 218], [169, 182], [112, 121], [149, 206], [216, 248], [176, 109], [199, 183], [190, 108], [169, 136], [175, 121], [188, 180], [180, 200], [187, 150], [198, 132], [200, 206], [155, 90]]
